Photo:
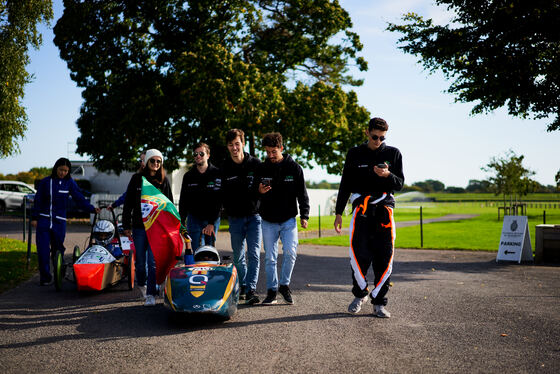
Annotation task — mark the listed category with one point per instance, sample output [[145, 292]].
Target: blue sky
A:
[[437, 137]]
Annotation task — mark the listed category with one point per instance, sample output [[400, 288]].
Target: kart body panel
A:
[[97, 269], [203, 288]]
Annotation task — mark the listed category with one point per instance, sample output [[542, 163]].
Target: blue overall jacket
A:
[[51, 199]]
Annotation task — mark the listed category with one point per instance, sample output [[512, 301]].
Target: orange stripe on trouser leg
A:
[[353, 261], [391, 225], [383, 278], [389, 269]]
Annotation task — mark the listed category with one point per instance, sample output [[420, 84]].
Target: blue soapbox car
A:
[[206, 287]]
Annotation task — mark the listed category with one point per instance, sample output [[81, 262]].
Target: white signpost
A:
[[515, 242]]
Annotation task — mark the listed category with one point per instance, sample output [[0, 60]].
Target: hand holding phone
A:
[[265, 185], [382, 166]]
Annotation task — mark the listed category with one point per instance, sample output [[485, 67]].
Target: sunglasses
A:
[[154, 161], [201, 154], [375, 137]]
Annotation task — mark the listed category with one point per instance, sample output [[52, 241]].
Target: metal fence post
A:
[[24, 215], [319, 220], [544, 217], [421, 230], [29, 237]]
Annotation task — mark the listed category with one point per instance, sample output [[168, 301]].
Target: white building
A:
[[323, 200]]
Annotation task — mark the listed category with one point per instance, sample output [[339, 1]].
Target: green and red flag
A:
[[163, 228]]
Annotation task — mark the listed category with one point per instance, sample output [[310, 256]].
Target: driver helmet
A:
[[103, 232], [207, 254]]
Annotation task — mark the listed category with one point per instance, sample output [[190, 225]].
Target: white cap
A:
[[152, 153]]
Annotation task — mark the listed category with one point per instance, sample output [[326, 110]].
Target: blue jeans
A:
[[246, 230], [195, 226], [143, 254], [287, 232]]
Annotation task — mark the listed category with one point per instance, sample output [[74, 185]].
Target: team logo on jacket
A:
[[151, 206]]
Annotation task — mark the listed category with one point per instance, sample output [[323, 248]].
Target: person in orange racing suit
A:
[[372, 172]]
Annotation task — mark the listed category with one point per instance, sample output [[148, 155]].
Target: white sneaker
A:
[[150, 300], [356, 305], [143, 291], [380, 311]]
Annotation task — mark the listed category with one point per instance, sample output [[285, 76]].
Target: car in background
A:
[[12, 194]]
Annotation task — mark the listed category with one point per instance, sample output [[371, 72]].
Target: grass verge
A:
[[481, 233], [13, 260]]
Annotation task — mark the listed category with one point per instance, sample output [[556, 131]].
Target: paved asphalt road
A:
[[452, 312]]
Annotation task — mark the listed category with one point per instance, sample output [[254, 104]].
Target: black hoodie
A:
[[201, 194], [287, 192], [358, 175], [239, 190]]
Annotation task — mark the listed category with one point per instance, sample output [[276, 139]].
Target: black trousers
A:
[[372, 235]]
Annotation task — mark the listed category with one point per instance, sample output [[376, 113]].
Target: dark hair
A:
[[160, 173], [273, 139], [232, 134], [61, 162], [377, 123], [202, 145]]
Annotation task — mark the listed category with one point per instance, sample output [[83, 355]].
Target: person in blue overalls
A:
[[49, 214]]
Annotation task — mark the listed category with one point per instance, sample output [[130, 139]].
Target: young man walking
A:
[[372, 172], [240, 200], [281, 189], [200, 201]]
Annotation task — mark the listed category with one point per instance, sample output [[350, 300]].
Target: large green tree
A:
[[497, 52], [18, 31], [168, 74]]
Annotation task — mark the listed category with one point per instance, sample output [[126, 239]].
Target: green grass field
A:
[[532, 197], [479, 233], [13, 259]]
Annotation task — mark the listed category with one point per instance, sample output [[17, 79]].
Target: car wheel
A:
[[76, 254], [130, 270], [2, 207], [58, 270]]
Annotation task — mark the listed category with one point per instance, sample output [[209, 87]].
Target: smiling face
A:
[[235, 148], [274, 154], [154, 163]]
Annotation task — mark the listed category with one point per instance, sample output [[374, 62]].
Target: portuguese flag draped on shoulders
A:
[[163, 228]]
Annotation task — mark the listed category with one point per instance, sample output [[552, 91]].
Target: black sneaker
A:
[[286, 294], [242, 293], [251, 298], [270, 298]]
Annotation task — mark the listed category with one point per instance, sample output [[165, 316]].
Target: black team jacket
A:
[[358, 175], [287, 192], [201, 194], [239, 187], [132, 210]]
